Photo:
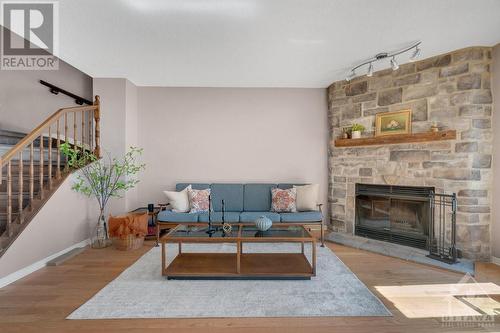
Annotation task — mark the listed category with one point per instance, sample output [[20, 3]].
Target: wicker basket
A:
[[130, 243]]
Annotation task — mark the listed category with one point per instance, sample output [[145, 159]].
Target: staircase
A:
[[32, 166]]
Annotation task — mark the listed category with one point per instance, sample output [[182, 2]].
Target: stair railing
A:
[[77, 126]]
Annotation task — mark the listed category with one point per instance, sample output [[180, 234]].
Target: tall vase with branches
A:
[[103, 179]]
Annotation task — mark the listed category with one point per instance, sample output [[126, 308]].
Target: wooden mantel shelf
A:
[[398, 139]]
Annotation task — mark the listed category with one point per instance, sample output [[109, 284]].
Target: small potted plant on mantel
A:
[[356, 130]]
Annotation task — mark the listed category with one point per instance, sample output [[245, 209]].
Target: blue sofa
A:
[[243, 204]]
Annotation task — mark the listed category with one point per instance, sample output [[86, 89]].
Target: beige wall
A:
[[131, 136], [113, 105], [119, 127], [495, 86], [62, 222], [25, 103], [231, 135]]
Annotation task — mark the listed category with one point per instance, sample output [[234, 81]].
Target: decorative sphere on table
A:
[[263, 223], [227, 228]]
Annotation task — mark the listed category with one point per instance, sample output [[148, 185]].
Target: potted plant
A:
[[103, 179], [356, 130]]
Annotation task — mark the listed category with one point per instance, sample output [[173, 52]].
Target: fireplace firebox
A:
[[397, 214]]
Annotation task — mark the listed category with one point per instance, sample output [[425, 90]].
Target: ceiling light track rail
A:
[[385, 55], [56, 90]]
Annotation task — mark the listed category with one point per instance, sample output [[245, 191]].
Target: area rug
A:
[[141, 291]]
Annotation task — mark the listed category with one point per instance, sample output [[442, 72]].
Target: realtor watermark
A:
[[30, 35]]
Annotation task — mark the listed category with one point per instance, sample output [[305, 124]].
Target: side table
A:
[[152, 233]]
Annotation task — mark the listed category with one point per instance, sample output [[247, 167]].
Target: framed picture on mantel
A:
[[392, 123]]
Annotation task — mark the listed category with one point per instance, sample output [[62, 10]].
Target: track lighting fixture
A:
[[370, 70], [384, 55], [394, 64]]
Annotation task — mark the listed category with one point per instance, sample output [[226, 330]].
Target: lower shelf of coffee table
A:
[[252, 266]]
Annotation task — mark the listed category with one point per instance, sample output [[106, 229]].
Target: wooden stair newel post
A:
[[97, 118], [32, 176], [9, 195], [40, 166], [58, 157], [49, 167], [21, 187]]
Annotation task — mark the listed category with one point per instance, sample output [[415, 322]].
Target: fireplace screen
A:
[[394, 213]]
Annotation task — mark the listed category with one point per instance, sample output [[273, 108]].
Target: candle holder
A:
[[226, 227], [210, 230]]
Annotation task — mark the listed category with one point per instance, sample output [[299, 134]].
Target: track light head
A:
[[415, 54], [394, 64], [350, 76], [370, 70]]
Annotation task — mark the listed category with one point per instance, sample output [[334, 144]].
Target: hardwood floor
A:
[[41, 301]]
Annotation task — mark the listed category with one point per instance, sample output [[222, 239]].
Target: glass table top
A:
[[275, 231], [247, 231], [202, 232]]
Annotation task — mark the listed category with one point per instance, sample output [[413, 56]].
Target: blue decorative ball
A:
[[263, 223]]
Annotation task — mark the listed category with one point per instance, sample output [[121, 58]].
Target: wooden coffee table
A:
[[239, 265]]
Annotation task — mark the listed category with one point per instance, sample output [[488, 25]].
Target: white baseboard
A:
[[37, 265], [495, 260]]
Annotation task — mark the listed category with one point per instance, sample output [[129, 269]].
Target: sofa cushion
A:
[[252, 216], [203, 217], [232, 194], [170, 216], [195, 186], [228, 217], [257, 197], [301, 217], [286, 186]]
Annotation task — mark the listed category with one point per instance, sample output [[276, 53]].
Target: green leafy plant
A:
[[357, 127], [103, 178]]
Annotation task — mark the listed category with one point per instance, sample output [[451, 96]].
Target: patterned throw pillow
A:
[[198, 200], [284, 201]]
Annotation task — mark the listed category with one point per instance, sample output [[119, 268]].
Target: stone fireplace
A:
[[453, 90]]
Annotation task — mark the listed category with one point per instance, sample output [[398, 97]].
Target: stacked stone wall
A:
[[451, 89]]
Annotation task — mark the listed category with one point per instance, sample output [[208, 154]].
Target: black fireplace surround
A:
[[396, 214]]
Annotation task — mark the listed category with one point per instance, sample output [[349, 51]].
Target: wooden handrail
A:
[[34, 134], [56, 90]]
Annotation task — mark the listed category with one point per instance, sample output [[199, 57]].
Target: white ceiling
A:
[[260, 43]]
